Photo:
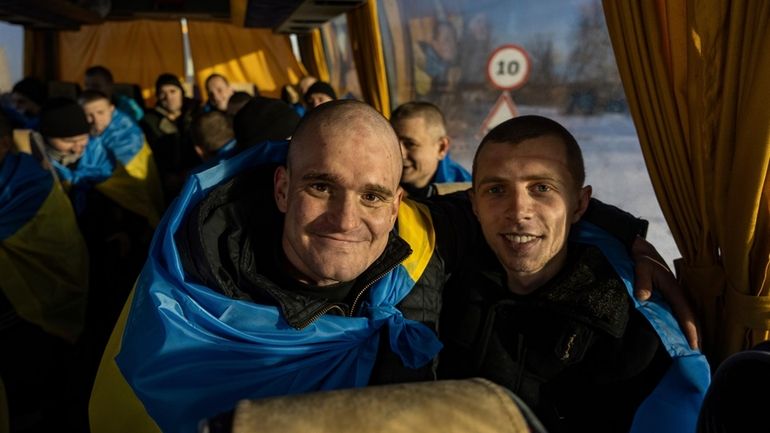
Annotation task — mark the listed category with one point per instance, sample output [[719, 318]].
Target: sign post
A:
[[507, 69]]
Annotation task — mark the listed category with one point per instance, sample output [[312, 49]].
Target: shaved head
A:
[[356, 117]]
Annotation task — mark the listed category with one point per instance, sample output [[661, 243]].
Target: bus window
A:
[[11, 55], [440, 52]]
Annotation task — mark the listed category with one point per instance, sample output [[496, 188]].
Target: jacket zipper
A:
[[353, 306]]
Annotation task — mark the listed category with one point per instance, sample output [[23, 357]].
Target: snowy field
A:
[[614, 168]]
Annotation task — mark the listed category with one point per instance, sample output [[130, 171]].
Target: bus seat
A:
[[468, 406], [133, 91], [63, 89]]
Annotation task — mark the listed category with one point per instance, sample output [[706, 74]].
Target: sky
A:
[[12, 42]]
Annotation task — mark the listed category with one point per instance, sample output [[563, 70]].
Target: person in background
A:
[[319, 93], [43, 292], [135, 183], [421, 131], [100, 78], [116, 236], [219, 92], [167, 128], [27, 99], [213, 137], [546, 308]]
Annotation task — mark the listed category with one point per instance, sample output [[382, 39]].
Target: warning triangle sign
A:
[[503, 110]]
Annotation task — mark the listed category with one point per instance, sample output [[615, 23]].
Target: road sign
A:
[[508, 67], [503, 110]]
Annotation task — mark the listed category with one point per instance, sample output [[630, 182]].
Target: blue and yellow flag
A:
[[186, 352], [448, 171], [674, 405], [43, 257], [135, 183]]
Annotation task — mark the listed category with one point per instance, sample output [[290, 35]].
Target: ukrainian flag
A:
[[135, 183], [43, 257], [183, 352]]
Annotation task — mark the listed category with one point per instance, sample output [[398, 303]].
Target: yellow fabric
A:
[[364, 29], [21, 140], [136, 51], [136, 186], [415, 226], [110, 387], [44, 268], [696, 75], [257, 56]]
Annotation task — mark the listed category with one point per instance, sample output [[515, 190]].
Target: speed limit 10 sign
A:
[[508, 67]]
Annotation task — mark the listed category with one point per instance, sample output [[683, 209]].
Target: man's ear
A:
[[584, 196], [281, 188], [200, 152], [396, 204], [443, 147]]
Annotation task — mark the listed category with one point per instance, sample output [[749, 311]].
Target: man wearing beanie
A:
[[64, 128], [319, 93], [263, 119], [167, 128]]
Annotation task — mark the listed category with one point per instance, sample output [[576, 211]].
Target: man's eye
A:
[[541, 187], [496, 189], [319, 187], [371, 197]]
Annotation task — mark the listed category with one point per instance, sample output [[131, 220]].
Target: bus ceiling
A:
[[283, 16]]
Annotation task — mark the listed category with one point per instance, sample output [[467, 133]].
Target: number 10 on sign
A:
[[508, 67]]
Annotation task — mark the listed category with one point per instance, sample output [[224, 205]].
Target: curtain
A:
[[244, 55], [365, 38], [134, 51], [311, 48], [696, 74]]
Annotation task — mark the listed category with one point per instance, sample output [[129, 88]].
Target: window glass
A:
[[438, 51], [339, 58], [11, 55]]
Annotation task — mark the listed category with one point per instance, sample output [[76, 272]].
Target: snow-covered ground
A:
[[614, 168]]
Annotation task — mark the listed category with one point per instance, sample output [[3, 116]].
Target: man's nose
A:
[[344, 213], [519, 206]]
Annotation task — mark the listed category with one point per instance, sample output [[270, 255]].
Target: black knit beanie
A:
[[264, 119], [165, 79], [321, 87], [63, 118]]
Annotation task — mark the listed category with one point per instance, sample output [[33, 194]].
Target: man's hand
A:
[[652, 272]]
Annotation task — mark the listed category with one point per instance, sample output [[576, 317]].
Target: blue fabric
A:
[[24, 186], [93, 167], [674, 404], [122, 138], [450, 171], [128, 106], [189, 352]]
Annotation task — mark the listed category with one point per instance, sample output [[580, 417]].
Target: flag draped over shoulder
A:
[[43, 257], [675, 403], [188, 352], [134, 183]]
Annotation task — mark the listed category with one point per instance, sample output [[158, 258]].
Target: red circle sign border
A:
[[526, 56]]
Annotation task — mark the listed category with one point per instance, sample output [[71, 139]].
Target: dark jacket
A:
[[575, 350]]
